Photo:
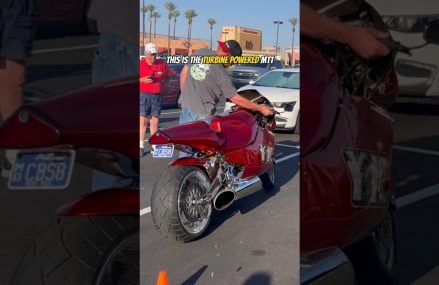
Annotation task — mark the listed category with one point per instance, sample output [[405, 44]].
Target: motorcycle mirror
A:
[[431, 32]]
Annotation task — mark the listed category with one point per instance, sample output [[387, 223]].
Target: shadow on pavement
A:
[[194, 277], [260, 278]]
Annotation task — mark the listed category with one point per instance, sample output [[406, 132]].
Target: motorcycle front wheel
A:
[[83, 250], [178, 209], [268, 179]]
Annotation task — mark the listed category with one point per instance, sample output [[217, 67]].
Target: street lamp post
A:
[[277, 33], [225, 35]]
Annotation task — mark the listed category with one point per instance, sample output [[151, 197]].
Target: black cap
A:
[[231, 46]]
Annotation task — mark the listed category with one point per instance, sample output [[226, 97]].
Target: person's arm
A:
[[362, 40], [183, 75], [244, 103]]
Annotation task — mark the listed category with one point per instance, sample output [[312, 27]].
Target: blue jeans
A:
[[115, 58], [189, 116]]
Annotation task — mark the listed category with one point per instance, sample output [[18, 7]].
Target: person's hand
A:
[[365, 42], [266, 111], [146, 79]]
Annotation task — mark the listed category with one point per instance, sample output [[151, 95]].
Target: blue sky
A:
[[256, 14]]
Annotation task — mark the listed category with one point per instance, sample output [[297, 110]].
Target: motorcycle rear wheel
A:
[[83, 250], [176, 208], [268, 179]]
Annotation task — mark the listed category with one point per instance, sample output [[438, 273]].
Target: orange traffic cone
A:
[[162, 279]]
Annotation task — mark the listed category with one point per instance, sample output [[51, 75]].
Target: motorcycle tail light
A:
[[159, 138], [28, 128], [216, 126]]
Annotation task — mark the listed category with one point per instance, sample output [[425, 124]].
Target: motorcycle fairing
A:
[[237, 130], [329, 213], [108, 202], [197, 134], [251, 157]]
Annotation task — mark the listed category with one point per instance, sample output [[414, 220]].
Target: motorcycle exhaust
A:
[[225, 198]]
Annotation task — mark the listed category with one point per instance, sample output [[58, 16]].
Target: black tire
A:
[[297, 127], [370, 266], [79, 250], [268, 179], [168, 213]]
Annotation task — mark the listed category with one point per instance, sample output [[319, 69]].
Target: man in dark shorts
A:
[[154, 74]]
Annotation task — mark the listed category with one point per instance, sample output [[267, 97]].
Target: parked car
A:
[[241, 74], [171, 93], [417, 74], [282, 88]]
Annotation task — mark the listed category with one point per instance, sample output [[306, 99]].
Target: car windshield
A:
[[281, 79], [259, 65]]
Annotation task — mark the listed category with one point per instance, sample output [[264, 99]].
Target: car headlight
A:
[[408, 24], [288, 106]]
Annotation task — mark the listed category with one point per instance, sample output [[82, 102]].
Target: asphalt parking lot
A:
[[416, 185], [255, 241]]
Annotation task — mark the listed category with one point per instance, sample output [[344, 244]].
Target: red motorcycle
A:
[[346, 221], [96, 238], [225, 158]]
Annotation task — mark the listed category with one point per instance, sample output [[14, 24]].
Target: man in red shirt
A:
[[154, 74]]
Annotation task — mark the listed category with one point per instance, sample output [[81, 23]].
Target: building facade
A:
[[178, 45], [249, 39]]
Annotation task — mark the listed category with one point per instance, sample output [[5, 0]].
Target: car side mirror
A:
[[251, 82], [431, 32]]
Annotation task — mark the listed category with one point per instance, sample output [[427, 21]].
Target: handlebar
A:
[[396, 46]]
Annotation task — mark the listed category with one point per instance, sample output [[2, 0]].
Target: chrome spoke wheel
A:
[[272, 174], [193, 210]]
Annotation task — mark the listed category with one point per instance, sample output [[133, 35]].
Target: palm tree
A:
[[189, 15], [170, 7], [150, 8], [175, 14], [293, 21], [211, 23], [143, 10], [155, 15]]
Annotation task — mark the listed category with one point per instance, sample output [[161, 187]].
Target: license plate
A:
[[163, 151], [42, 170]]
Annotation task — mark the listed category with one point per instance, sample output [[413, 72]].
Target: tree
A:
[[175, 14], [143, 10], [211, 23], [150, 8], [170, 7], [155, 15], [189, 15], [293, 21]]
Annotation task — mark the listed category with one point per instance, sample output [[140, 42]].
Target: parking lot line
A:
[[287, 157], [148, 209], [287, 145], [417, 196], [416, 150], [145, 211]]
